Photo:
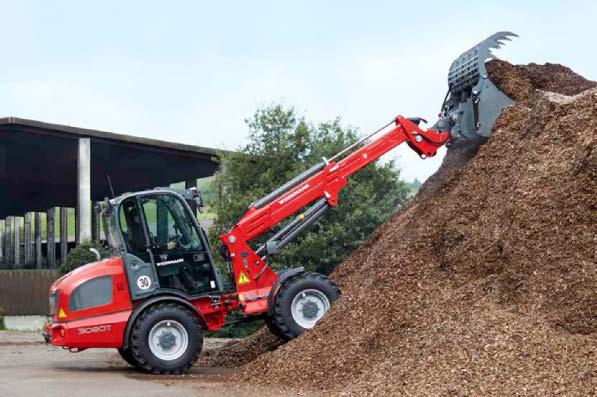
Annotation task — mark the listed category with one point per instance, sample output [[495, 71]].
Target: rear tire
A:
[[301, 302], [271, 325], [127, 356], [166, 339]]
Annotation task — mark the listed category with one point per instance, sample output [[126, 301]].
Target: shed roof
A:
[[38, 164]]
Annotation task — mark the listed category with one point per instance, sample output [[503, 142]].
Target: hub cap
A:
[[168, 340], [308, 307]]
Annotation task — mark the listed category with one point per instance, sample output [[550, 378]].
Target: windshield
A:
[[169, 225]]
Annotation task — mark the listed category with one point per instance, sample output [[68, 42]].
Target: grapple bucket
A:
[[473, 102]]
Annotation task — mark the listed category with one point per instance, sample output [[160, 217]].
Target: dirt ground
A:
[[28, 367]]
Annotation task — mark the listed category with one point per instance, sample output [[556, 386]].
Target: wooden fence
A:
[[25, 292]]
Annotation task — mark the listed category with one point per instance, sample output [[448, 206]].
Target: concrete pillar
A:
[[84, 184]]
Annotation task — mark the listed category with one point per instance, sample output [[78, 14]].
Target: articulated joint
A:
[[424, 142]]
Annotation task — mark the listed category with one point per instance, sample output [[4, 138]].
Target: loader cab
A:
[[162, 245]]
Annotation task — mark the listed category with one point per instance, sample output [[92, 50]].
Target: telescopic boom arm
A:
[[319, 186]]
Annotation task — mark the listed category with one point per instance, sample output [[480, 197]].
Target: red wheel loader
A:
[[160, 289]]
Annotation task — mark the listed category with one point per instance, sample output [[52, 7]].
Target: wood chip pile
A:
[[486, 283], [240, 352]]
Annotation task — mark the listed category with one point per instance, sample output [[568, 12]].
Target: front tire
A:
[[300, 303], [166, 339]]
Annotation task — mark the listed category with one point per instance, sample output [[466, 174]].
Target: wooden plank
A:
[[38, 255], [27, 247], [63, 234], [95, 222], [51, 242], [17, 242], [25, 292]]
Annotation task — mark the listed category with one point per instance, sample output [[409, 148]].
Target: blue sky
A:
[[192, 71]]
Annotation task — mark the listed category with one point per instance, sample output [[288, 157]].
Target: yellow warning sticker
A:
[[61, 314], [242, 279]]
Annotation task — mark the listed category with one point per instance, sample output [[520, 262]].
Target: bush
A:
[[2, 326], [80, 255]]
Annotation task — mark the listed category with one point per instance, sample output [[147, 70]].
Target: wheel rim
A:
[[308, 307], [168, 340]]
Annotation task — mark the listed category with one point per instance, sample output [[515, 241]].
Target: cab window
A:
[[168, 224]]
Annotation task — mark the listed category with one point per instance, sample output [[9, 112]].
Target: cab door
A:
[[141, 272], [180, 252]]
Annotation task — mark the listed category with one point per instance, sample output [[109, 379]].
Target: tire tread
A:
[[278, 323], [137, 340]]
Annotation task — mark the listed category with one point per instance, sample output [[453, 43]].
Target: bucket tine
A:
[[473, 102]]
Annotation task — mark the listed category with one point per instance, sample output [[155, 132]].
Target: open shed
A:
[[46, 166]]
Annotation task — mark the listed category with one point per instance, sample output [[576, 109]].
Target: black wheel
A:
[[127, 356], [166, 339], [271, 325], [301, 302]]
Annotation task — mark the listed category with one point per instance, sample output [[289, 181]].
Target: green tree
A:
[[281, 145]]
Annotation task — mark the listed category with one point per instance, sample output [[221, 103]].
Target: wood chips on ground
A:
[[485, 284]]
